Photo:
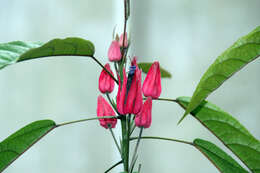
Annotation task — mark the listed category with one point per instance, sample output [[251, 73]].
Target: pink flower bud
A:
[[152, 83], [104, 109], [106, 83], [144, 117], [134, 100], [114, 53], [121, 39], [134, 61], [129, 95], [121, 94]]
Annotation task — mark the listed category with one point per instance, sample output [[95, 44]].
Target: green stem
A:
[[132, 129], [82, 120], [118, 163], [99, 63], [110, 101], [125, 142], [135, 151], [94, 58], [139, 168], [161, 138], [164, 99], [113, 135]]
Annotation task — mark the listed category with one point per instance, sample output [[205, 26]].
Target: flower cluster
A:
[[129, 99]]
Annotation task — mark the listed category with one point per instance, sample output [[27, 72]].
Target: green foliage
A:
[[10, 52], [234, 135], [16, 144], [17, 51], [145, 66], [242, 52], [218, 157]]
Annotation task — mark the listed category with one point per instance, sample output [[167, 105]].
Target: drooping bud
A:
[[152, 83], [114, 53], [121, 39], [144, 117], [106, 83], [104, 109]]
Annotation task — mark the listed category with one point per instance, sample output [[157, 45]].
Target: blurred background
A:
[[185, 36]]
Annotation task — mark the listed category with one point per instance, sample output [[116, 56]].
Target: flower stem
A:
[[113, 135], [110, 101], [118, 163], [161, 138], [82, 120], [164, 99], [135, 151], [125, 143], [99, 63]]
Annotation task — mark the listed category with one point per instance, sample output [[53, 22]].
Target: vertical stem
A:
[[125, 141], [136, 147]]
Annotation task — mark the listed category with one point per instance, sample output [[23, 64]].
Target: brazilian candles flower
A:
[[104, 109], [152, 83], [129, 95], [144, 117], [106, 83], [114, 53], [134, 98], [121, 94]]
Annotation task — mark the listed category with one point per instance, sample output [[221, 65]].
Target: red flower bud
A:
[[114, 53], [121, 94], [134, 61], [106, 83], [152, 83], [134, 100], [121, 39], [104, 109], [129, 96], [144, 117]]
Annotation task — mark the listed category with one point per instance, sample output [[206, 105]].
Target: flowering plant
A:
[[132, 106]]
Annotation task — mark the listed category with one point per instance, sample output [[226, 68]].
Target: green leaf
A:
[[17, 51], [16, 144], [233, 134], [218, 157], [242, 52], [145, 66]]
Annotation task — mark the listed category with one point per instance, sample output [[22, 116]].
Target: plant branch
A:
[[110, 101], [94, 58], [161, 138], [135, 151], [99, 63], [164, 99], [82, 120], [113, 135], [125, 143], [118, 163]]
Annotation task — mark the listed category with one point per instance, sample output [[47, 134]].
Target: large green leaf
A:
[[234, 135], [17, 51], [16, 144], [218, 157], [145, 66], [245, 50]]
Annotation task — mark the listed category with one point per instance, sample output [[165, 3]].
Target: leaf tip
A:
[[185, 114]]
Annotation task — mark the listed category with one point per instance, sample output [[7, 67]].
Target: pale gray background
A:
[[186, 36]]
